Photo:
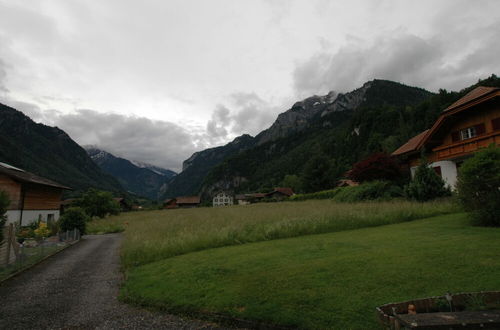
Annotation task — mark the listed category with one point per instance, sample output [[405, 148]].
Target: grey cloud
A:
[[253, 113], [157, 142], [216, 126], [3, 75], [246, 113], [141, 139], [431, 63]]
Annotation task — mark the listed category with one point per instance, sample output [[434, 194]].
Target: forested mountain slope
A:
[[49, 152]]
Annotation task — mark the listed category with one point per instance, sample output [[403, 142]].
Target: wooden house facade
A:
[[471, 123], [31, 197]]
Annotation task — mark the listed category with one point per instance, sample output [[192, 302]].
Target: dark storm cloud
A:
[[438, 62], [246, 113]]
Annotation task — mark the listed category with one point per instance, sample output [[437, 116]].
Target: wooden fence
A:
[[9, 248]]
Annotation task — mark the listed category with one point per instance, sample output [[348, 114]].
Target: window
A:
[[468, 133], [496, 124], [437, 169], [50, 218]]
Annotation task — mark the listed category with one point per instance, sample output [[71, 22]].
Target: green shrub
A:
[[324, 194], [426, 184], [4, 203], [74, 217], [374, 190], [99, 203], [479, 186]]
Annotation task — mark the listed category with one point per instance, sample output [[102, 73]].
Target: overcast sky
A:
[[156, 80]]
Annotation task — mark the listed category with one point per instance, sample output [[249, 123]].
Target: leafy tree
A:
[[4, 203], [315, 176], [293, 181], [74, 217], [99, 203], [379, 166], [479, 186], [426, 184]]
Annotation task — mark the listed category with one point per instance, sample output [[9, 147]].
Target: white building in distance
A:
[[222, 199]]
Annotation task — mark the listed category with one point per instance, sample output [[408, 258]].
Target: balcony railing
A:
[[468, 146]]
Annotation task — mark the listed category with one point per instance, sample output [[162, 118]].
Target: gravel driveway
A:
[[78, 289]]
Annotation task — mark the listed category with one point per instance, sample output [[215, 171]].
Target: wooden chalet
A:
[[280, 193], [182, 202], [469, 124], [31, 197]]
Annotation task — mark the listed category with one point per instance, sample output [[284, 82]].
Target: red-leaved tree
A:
[[379, 166]]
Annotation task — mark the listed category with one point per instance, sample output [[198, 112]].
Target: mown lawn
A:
[[332, 280], [156, 235]]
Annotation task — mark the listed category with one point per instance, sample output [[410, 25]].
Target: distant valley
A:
[[138, 178]]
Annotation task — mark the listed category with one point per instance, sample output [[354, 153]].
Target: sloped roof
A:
[[284, 190], [475, 94], [256, 195], [411, 145], [347, 183], [188, 200], [23, 176]]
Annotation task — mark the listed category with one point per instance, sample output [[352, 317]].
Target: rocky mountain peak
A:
[[239, 143], [297, 117]]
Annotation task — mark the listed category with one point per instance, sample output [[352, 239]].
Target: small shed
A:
[[255, 197], [170, 203], [242, 199], [188, 201], [347, 183], [280, 193]]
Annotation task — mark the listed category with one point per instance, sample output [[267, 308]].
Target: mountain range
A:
[[138, 178], [261, 162], [312, 144], [308, 147]]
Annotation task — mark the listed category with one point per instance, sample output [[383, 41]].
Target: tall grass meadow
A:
[[155, 235]]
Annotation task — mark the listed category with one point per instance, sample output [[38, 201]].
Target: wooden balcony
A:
[[466, 147]]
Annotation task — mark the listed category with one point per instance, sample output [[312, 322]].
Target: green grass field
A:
[[332, 280], [309, 264], [156, 235]]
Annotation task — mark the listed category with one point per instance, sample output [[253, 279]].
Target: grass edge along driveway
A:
[[330, 280]]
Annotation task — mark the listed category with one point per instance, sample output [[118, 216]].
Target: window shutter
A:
[[455, 136], [437, 169], [480, 129], [496, 124]]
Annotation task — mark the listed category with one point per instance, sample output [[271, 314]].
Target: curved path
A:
[[77, 289]]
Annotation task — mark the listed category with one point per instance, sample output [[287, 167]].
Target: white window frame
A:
[[468, 133]]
